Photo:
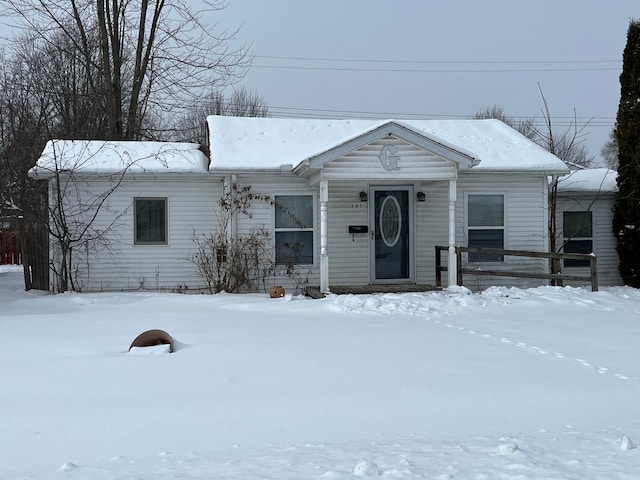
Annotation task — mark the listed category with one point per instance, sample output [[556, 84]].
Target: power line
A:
[[420, 70], [477, 62], [407, 66], [301, 112]]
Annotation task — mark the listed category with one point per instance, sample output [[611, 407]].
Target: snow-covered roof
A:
[[272, 143], [99, 156], [589, 180]]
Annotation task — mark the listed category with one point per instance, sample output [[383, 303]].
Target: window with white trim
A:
[[150, 221], [485, 225], [294, 235], [577, 233]]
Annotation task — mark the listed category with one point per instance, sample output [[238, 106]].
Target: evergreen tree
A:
[[626, 212]]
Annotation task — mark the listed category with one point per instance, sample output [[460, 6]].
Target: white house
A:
[[160, 193], [584, 213], [350, 202]]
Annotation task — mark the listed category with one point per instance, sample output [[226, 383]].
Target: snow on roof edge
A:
[[603, 180], [107, 156]]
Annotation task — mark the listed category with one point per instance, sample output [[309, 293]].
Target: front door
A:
[[391, 234]]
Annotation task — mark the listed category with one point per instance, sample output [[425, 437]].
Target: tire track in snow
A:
[[602, 370]]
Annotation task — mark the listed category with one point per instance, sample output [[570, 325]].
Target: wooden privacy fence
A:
[[9, 242], [34, 253], [556, 257]]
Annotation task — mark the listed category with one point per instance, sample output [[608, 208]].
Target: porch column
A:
[[324, 237], [452, 267]]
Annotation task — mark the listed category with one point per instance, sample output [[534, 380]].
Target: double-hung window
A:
[[485, 225], [150, 221], [577, 232], [294, 236]]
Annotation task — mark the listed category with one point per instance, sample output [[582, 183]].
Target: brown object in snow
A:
[[276, 292], [151, 338]]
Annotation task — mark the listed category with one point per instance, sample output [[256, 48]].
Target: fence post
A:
[[593, 263], [26, 258], [438, 267], [459, 266]]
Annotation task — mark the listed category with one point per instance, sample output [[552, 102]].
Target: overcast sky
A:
[[437, 59]]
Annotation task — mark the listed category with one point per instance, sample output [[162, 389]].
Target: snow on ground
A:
[[504, 384]]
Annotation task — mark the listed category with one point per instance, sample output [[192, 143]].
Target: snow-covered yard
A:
[[505, 384]]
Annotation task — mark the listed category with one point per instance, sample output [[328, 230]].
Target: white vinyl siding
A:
[[604, 241], [119, 264], [365, 162], [293, 277], [525, 211], [348, 252]]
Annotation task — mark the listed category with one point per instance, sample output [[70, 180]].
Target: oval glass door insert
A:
[[390, 221]]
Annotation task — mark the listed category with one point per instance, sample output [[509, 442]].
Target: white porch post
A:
[[452, 267], [324, 237]]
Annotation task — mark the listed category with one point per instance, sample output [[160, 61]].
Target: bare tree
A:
[[497, 112], [42, 95], [100, 69], [80, 219], [565, 144], [137, 55], [241, 103], [24, 109], [610, 152]]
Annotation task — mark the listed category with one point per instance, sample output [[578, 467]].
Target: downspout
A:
[[228, 190], [234, 215], [552, 200]]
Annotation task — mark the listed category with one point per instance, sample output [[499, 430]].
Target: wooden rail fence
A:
[[557, 278]]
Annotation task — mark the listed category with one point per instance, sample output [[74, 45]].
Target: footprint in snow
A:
[[539, 350], [67, 466], [507, 448], [365, 468], [627, 444]]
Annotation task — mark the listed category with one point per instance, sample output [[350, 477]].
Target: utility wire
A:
[[421, 70], [299, 112], [588, 65], [477, 62]]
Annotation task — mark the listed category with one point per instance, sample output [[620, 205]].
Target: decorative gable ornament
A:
[[388, 157]]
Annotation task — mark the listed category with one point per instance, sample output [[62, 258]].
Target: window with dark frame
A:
[[150, 221], [577, 233], [294, 236], [485, 225]]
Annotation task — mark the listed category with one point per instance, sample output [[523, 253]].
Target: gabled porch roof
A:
[[391, 128]]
